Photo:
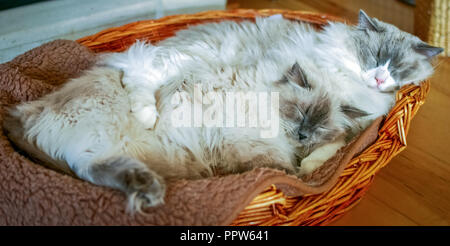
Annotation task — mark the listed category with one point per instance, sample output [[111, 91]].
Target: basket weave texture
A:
[[432, 23], [272, 207]]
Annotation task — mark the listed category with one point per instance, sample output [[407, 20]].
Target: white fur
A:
[[111, 114], [320, 155]]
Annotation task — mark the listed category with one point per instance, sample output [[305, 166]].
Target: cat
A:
[[371, 54], [113, 126], [371, 61], [355, 55], [87, 128]]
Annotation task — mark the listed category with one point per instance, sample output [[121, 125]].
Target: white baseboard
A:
[[26, 27]]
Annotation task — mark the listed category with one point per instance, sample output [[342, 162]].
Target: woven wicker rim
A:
[[272, 207]]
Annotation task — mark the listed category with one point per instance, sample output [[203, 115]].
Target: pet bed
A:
[[31, 194]]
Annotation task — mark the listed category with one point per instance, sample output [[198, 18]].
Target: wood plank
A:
[[373, 212]]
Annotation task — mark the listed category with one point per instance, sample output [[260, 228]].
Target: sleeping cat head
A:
[[309, 115], [390, 57]]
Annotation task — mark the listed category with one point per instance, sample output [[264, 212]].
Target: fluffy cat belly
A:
[[88, 125], [225, 149]]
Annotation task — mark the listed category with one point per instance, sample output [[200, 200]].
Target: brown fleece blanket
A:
[[31, 194]]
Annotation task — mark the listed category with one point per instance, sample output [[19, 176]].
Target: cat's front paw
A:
[[144, 188], [147, 115], [308, 166]]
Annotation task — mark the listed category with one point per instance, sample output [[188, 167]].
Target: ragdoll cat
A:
[[113, 125], [372, 54], [370, 61], [87, 127]]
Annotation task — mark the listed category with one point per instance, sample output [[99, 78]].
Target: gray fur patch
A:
[[318, 113], [298, 76], [365, 22], [352, 112]]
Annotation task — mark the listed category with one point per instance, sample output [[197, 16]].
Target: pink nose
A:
[[379, 81]]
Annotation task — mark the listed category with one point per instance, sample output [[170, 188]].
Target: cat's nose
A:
[[382, 75], [379, 81], [301, 136]]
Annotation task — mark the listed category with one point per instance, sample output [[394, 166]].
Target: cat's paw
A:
[[147, 115], [308, 166], [144, 188]]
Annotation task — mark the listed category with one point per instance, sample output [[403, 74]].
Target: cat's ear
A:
[[428, 50], [365, 22], [353, 112], [297, 75]]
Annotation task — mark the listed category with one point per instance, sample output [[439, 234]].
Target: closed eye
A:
[[322, 128]]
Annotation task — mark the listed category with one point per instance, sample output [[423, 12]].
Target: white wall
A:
[[26, 27]]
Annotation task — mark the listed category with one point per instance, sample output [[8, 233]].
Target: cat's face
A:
[[389, 57], [309, 115], [311, 121]]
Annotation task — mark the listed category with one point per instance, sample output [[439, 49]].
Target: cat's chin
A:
[[387, 86]]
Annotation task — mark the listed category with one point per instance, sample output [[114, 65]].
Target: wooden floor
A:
[[414, 188]]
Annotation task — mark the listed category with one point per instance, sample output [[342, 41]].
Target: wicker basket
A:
[[272, 207], [432, 23]]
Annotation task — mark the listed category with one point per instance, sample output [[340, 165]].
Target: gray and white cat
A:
[[370, 61], [113, 126], [87, 127]]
